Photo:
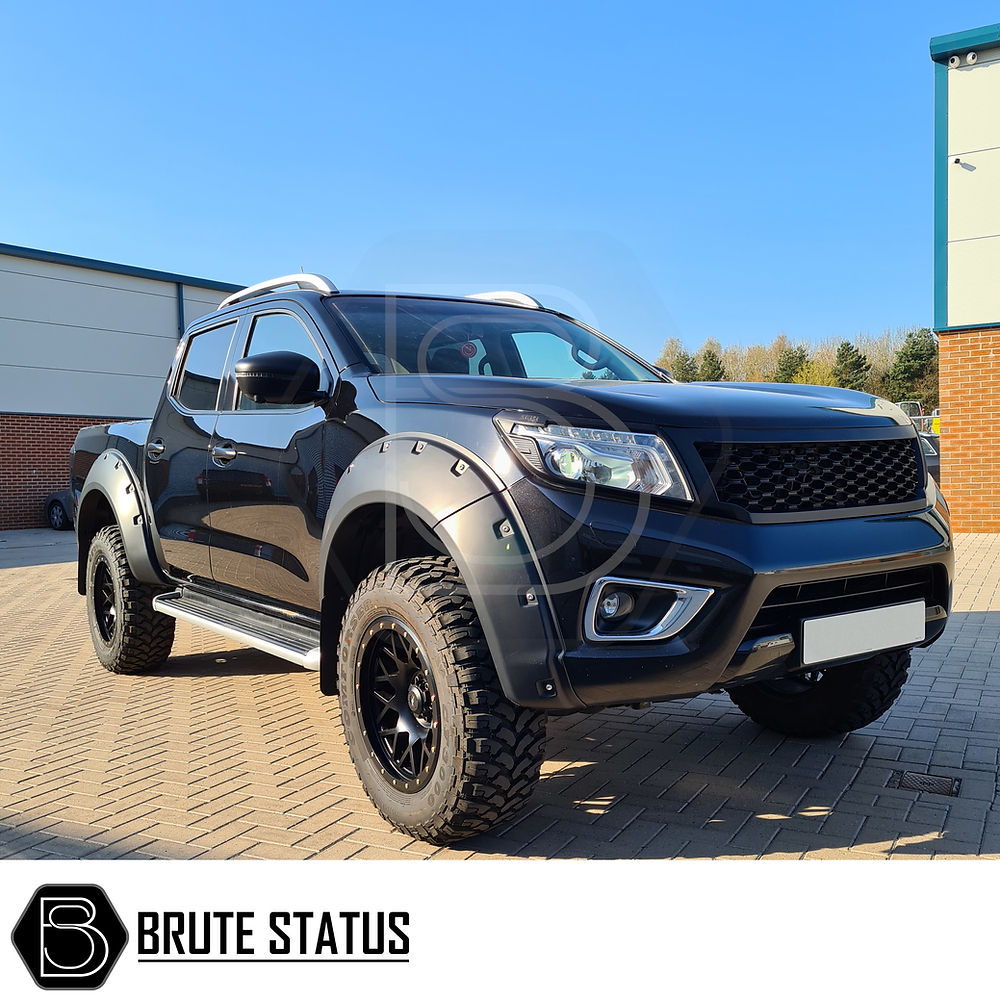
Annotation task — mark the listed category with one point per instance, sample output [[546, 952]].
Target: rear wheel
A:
[[440, 751], [826, 702], [129, 636]]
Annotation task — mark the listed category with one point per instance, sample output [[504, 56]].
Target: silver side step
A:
[[287, 640]]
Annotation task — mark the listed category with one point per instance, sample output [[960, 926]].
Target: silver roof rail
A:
[[311, 282], [508, 298]]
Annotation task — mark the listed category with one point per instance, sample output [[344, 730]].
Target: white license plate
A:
[[859, 632]]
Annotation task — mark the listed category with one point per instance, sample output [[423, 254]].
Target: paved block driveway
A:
[[229, 752]]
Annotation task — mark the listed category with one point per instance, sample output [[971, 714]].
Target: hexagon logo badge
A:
[[69, 937]]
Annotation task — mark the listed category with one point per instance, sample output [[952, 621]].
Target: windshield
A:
[[437, 336]]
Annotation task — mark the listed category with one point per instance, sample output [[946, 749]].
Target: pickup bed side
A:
[[106, 480]]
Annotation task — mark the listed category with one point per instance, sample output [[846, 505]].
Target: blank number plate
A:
[[858, 632]]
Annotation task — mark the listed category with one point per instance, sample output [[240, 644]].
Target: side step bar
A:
[[287, 640]]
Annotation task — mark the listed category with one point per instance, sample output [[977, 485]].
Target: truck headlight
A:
[[640, 462]]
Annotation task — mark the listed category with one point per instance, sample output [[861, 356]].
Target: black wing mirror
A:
[[279, 377]]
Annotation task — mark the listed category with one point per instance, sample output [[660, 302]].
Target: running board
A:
[[268, 633]]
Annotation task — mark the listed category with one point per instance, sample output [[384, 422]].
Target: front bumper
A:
[[578, 539]]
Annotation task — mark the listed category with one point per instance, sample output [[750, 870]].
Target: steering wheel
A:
[[578, 358]]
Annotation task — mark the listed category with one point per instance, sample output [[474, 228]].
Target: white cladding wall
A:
[[974, 191], [86, 342]]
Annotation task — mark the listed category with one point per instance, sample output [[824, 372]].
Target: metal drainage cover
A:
[[936, 784]]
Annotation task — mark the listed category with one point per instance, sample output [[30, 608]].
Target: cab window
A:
[[278, 332], [198, 388]]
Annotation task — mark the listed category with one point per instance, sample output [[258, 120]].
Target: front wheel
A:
[[826, 702], [439, 749]]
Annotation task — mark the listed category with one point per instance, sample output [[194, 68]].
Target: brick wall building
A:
[[970, 429], [966, 271], [35, 450], [81, 342]]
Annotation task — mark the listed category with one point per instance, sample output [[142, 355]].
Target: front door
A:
[[177, 452], [268, 482]]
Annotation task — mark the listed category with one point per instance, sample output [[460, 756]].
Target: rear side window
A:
[[203, 365]]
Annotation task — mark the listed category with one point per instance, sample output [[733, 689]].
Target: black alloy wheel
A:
[[398, 704], [130, 636], [105, 604], [439, 749]]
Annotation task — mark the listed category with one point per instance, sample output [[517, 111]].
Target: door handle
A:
[[155, 449], [224, 453]]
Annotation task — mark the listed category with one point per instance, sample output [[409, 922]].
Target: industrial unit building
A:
[[81, 341], [967, 270]]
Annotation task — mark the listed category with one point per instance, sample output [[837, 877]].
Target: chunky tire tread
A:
[[846, 698], [144, 637], [501, 746]]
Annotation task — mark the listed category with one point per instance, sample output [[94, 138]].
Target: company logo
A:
[[69, 937]]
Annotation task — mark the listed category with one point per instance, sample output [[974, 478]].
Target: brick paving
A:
[[228, 753]]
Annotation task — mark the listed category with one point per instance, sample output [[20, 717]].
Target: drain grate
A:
[[936, 784]]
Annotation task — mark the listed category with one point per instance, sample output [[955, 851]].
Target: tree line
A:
[[898, 364]]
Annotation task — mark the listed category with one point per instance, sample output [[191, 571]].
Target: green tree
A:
[[851, 369], [878, 382], [790, 360], [926, 390], [684, 369], [815, 372], [669, 353], [711, 369], [914, 366]]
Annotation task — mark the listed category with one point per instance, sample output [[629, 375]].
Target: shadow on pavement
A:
[[36, 547], [827, 798], [691, 778], [238, 662]]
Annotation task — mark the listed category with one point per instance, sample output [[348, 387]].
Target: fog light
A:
[[615, 605], [625, 610]]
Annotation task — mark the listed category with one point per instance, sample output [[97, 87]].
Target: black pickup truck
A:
[[469, 513]]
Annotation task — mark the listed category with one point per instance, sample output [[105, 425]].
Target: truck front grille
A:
[[787, 606], [794, 478]]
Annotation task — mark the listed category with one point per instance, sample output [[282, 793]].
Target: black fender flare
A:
[[457, 498], [113, 479]]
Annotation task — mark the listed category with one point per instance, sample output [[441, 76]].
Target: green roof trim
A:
[[958, 42], [49, 256]]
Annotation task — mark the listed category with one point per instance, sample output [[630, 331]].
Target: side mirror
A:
[[279, 377]]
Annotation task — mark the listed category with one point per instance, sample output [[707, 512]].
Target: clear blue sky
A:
[[730, 170]]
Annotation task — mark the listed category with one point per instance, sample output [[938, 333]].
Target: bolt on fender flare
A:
[[460, 500], [113, 478]]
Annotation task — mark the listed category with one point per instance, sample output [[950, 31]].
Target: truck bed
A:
[[127, 436]]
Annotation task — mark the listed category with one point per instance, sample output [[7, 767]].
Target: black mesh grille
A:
[[786, 606], [795, 478]]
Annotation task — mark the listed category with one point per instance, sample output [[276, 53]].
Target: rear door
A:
[[177, 451], [269, 485]]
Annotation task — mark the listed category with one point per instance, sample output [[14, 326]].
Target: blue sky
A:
[[728, 170]]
